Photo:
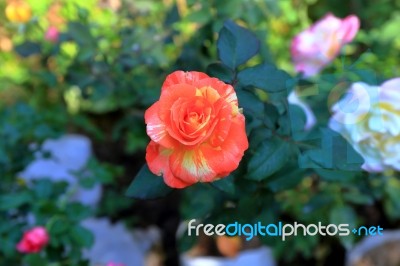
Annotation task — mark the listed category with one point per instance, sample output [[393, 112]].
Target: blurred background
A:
[[75, 80]]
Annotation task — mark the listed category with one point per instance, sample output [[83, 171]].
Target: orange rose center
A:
[[190, 120], [194, 119]]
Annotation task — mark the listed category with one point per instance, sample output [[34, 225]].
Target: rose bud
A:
[[52, 34], [33, 240]]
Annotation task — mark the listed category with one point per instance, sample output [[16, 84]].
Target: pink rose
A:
[[33, 240], [317, 46], [52, 34]]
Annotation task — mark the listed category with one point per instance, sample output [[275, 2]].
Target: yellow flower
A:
[[18, 11]]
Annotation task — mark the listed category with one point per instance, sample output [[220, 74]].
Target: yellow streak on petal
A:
[[197, 167], [209, 93], [166, 152], [198, 92], [235, 110]]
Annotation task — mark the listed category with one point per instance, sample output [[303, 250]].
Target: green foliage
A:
[[266, 77], [21, 126], [268, 158], [146, 185], [335, 154], [344, 214], [236, 45], [44, 202], [27, 49]]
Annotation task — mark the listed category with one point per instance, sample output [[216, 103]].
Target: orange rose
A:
[[197, 131], [18, 11]]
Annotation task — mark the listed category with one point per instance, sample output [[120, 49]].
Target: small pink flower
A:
[[33, 240], [318, 45], [52, 34]]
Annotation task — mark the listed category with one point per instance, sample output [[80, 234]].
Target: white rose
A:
[[369, 118]]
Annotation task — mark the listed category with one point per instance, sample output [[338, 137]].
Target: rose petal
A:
[[191, 166], [349, 28], [176, 121], [182, 77], [156, 129], [226, 158], [225, 91], [328, 23], [223, 123], [170, 96], [157, 159]]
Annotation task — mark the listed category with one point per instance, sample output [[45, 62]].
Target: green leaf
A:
[[186, 242], [236, 45], [297, 119], [366, 75], [335, 154], [220, 71], [87, 182], [358, 197], [43, 188], [392, 198], [229, 8], [285, 179], [336, 175], [318, 202], [147, 185], [271, 115], [28, 48], [201, 16], [258, 136], [82, 236], [266, 77], [48, 77], [81, 34], [250, 103], [85, 54], [268, 158], [77, 212], [249, 207], [15, 200], [58, 226], [202, 204], [344, 215], [225, 184], [34, 260]]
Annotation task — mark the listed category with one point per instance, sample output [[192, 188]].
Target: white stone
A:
[[69, 154], [369, 243], [115, 243], [72, 151]]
